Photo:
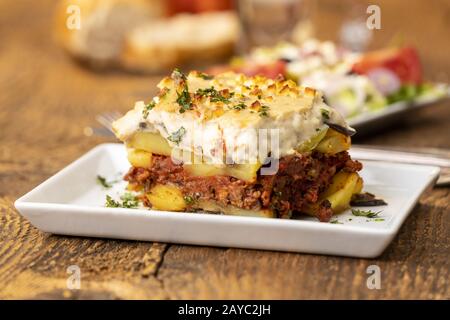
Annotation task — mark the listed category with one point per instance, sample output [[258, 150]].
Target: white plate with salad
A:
[[372, 90]]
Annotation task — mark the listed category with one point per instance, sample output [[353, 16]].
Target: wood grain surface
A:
[[47, 101]]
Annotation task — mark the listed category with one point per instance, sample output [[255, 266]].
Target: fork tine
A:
[[103, 121], [106, 120], [112, 116], [116, 114]]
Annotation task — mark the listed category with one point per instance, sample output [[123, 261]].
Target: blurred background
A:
[[68, 67], [62, 63]]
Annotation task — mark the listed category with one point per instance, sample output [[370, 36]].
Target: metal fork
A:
[[106, 119], [105, 130], [424, 156]]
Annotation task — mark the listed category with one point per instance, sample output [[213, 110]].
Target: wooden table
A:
[[46, 101]]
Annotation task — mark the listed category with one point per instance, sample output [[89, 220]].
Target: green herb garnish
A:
[[111, 203], [220, 98], [188, 199], [263, 111], [149, 106], [128, 201], [177, 136], [240, 106], [205, 76], [207, 92], [102, 181], [184, 99], [335, 222], [365, 213], [177, 74], [213, 94], [325, 114]]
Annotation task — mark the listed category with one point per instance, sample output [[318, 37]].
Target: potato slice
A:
[[339, 193], [151, 142], [312, 143], [358, 186], [156, 144], [204, 169], [337, 183], [334, 142], [166, 197], [135, 187], [340, 200], [139, 158], [246, 171]]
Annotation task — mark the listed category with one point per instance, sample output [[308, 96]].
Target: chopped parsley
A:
[[103, 182], [184, 99], [213, 94], [188, 199], [177, 136], [207, 92], [263, 111], [111, 203], [149, 106], [365, 213], [177, 74], [240, 106], [335, 222], [220, 98], [128, 200], [205, 76], [325, 114]]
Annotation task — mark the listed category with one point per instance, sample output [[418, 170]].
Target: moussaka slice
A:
[[240, 146]]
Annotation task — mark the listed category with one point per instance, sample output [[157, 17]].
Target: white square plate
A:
[[72, 203]]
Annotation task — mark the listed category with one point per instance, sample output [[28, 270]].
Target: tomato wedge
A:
[[404, 62]]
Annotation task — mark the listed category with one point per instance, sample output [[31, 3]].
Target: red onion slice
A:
[[384, 80]]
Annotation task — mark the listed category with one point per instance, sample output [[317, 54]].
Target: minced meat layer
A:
[[298, 182]]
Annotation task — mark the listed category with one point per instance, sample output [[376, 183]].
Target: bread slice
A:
[[184, 38], [103, 26]]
